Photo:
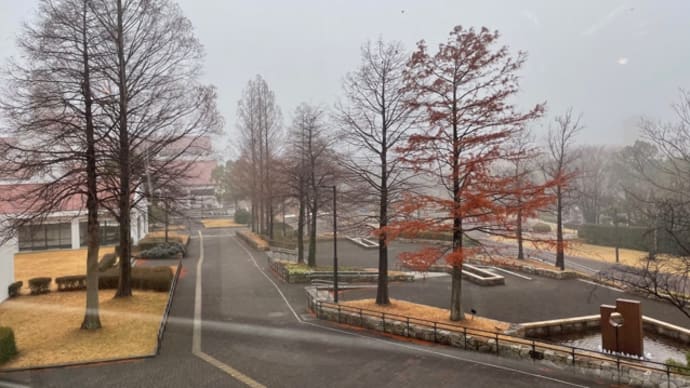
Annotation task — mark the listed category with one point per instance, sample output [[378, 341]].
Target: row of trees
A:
[[422, 140], [101, 89]]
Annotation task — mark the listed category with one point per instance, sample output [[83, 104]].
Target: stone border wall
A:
[[481, 277], [244, 237], [545, 329], [591, 364]]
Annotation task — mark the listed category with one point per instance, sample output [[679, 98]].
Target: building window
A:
[[49, 236]]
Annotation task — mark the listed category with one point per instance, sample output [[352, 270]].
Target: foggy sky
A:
[[611, 60]]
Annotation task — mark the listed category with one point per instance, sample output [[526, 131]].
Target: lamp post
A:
[[335, 245]]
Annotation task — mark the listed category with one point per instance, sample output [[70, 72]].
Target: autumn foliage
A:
[[462, 95]]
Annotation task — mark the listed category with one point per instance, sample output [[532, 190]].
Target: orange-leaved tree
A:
[[462, 95]]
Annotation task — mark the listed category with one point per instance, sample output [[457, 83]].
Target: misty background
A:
[[614, 61]]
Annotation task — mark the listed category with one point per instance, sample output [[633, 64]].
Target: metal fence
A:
[[537, 346]]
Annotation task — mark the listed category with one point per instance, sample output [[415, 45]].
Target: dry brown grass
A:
[[182, 237], [53, 263], [629, 257], [47, 330], [429, 313], [219, 223]]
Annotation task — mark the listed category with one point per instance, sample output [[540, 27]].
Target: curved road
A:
[[252, 330]]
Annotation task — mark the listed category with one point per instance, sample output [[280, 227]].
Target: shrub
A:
[[143, 278], [162, 251], [8, 347], [107, 261], [242, 216], [39, 285], [71, 283], [541, 228], [679, 367], [13, 289]]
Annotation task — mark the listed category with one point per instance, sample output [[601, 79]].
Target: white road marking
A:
[[196, 334], [601, 285], [395, 343]]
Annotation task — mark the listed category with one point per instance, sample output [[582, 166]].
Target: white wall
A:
[[7, 252]]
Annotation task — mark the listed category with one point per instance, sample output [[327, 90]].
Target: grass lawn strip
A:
[[429, 313], [52, 264], [181, 237], [220, 223], [47, 327]]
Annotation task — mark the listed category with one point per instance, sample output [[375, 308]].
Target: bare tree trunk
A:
[[311, 258], [124, 288], [91, 317], [300, 229], [382, 287], [560, 256], [456, 312], [521, 252]]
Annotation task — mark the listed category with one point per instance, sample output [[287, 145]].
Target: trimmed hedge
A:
[[107, 261], [143, 278], [541, 228], [39, 285], [242, 216], [71, 283], [631, 237], [13, 289], [8, 347]]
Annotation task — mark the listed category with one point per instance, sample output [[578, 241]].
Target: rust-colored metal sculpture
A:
[[621, 327]]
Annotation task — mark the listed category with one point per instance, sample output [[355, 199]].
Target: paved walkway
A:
[[254, 332]]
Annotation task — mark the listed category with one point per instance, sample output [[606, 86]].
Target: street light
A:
[[335, 246]]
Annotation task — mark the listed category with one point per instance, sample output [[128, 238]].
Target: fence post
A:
[[435, 337], [573, 354], [408, 326], [464, 332], [497, 351], [383, 320], [338, 313], [668, 375]]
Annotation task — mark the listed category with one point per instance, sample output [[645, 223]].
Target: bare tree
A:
[[314, 167], [560, 167], [374, 120], [593, 184], [259, 122], [152, 63], [56, 121], [521, 157]]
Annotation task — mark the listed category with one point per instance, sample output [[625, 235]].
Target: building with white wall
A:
[[7, 252]]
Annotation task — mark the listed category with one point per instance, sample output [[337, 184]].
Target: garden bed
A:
[[293, 272], [253, 239], [429, 313], [220, 223]]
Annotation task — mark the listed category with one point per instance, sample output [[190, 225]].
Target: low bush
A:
[[541, 228], [163, 251], [13, 289], [679, 367], [71, 283], [242, 216], [143, 278], [107, 261], [8, 348], [39, 285], [637, 237]]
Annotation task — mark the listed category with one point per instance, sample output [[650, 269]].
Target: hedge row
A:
[[631, 237], [143, 278], [13, 289], [8, 348]]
